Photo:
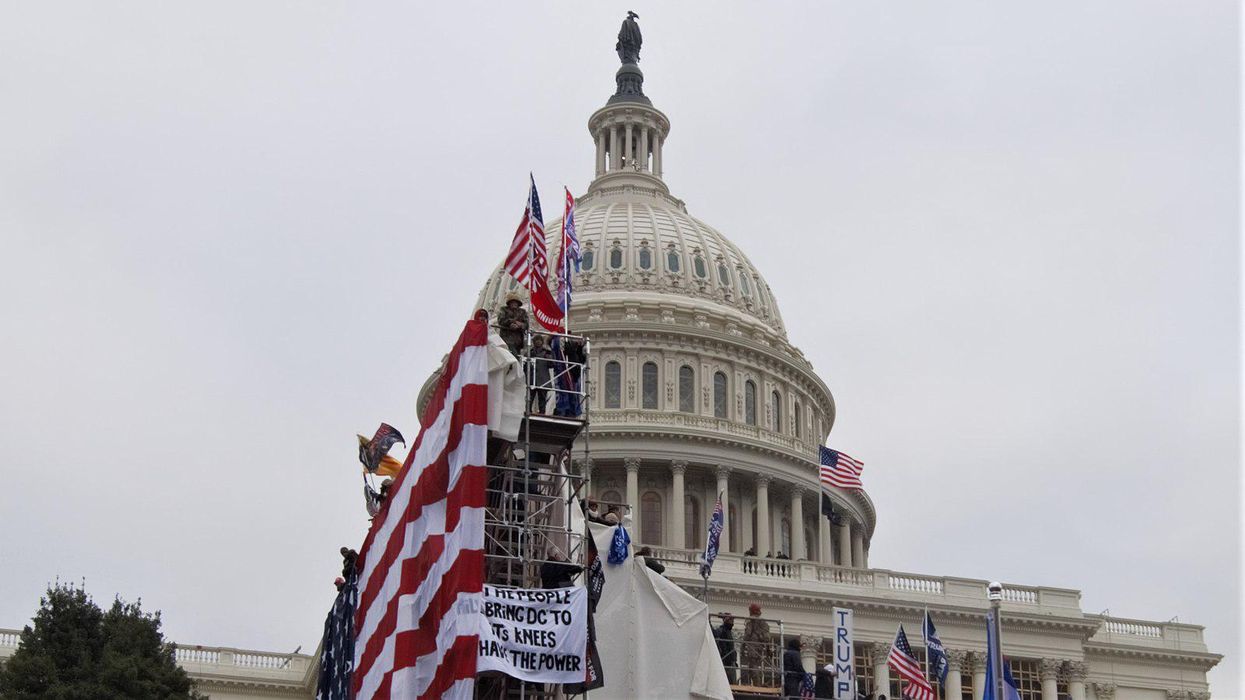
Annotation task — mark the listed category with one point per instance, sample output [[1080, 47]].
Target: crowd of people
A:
[[756, 661], [555, 363]]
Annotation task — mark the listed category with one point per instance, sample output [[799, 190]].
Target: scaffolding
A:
[[753, 666], [534, 484]]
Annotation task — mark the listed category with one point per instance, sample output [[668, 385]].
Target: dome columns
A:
[[629, 138], [761, 536], [678, 497], [723, 490]]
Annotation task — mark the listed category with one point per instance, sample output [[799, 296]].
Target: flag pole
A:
[[565, 272], [995, 593]]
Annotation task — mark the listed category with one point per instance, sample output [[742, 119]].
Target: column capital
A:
[[1104, 691], [764, 480], [1177, 694], [632, 464], [880, 651], [957, 659], [723, 471], [1199, 695], [1050, 668], [1076, 670], [678, 466], [810, 642], [798, 491]]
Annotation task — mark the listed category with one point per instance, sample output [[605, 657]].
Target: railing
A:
[[738, 568], [224, 657], [10, 638], [1132, 628], [197, 655]]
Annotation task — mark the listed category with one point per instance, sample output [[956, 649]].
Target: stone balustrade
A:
[[814, 577], [1171, 635], [202, 661]]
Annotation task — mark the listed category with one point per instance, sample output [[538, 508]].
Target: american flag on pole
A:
[[568, 253], [528, 257], [904, 663], [421, 568], [839, 470]]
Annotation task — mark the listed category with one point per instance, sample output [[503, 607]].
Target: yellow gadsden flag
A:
[[389, 466]]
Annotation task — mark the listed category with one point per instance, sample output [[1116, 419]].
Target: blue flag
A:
[[619, 545], [934, 651], [715, 536], [1009, 683]]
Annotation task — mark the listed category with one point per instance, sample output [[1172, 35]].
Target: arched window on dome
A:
[[514, 282], [776, 399], [795, 419], [645, 257], [587, 260], [687, 389], [651, 519], [648, 385], [698, 266], [613, 384], [750, 402], [724, 275], [692, 535], [672, 259], [616, 256], [719, 395], [743, 283]]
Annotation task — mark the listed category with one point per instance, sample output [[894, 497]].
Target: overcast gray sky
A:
[[235, 234]]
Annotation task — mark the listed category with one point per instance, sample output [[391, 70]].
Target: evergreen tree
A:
[[76, 651]]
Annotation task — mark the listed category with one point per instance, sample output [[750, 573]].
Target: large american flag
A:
[[528, 257], [421, 568], [904, 663], [839, 470], [568, 253]]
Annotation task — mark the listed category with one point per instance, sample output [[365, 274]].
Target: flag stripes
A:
[[421, 568], [839, 470], [901, 660], [528, 257]]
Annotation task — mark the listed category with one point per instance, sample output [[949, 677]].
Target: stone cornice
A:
[[1204, 660], [901, 610]]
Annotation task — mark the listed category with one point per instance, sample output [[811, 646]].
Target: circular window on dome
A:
[[672, 259], [587, 260], [645, 257], [698, 264]]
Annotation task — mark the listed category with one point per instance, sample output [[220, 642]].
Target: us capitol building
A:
[[697, 390]]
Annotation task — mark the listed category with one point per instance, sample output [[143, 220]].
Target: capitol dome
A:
[[694, 387]]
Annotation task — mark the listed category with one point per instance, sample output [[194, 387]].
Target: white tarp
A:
[[506, 390], [653, 637]]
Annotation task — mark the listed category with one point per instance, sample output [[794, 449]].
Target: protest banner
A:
[[538, 635], [843, 664]]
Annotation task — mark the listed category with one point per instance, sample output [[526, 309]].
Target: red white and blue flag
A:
[[904, 663], [839, 470], [421, 568], [715, 537], [528, 259], [568, 254]]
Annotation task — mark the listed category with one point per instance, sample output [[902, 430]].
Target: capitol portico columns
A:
[[1049, 673], [955, 667], [1077, 672], [979, 676], [858, 546], [797, 524], [762, 534], [633, 491], [845, 543], [677, 469], [825, 548], [724, 491], [881, 674]]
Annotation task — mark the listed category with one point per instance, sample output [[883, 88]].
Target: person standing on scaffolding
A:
[[512, 324], [755, 647], [542, 375]]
